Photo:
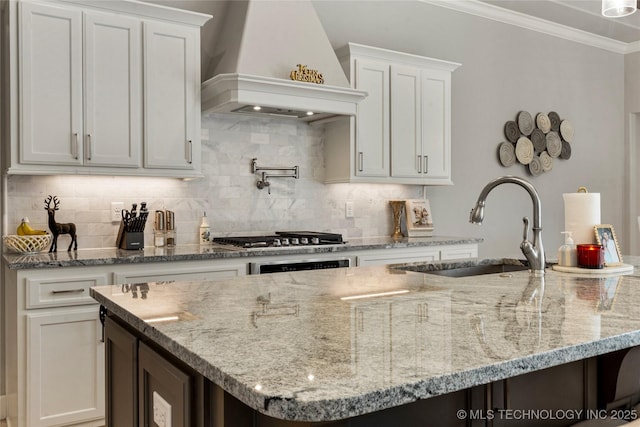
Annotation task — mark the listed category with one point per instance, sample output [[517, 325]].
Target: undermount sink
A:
[[466, 270], [478, 270]]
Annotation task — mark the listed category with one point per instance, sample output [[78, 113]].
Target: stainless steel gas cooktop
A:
[[282, 238]]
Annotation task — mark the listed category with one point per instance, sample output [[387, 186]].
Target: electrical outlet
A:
[[348, 210], [116, 211], [161, 411]]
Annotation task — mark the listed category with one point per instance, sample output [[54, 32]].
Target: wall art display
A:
[[536, 142]]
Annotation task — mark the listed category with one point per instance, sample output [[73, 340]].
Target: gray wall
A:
[[505, 69], [632, 136]]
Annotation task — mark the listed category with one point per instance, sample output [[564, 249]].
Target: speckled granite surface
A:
[[321, 345], [87, 257]]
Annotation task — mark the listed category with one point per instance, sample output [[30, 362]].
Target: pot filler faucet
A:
[[534, 252]]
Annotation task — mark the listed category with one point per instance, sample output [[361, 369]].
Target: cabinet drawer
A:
[[398, 257], [61, 291], [459, 252], [180, 273]]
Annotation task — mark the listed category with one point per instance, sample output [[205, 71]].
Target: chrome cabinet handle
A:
[[88, 146], [74, 146], [426, 164], [360, 161], [190, 161], [419, 164], [68, 291]]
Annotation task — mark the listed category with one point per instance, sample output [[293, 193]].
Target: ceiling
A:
[[582, 15], [578, 20]]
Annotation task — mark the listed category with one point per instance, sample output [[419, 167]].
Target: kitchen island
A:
[[347, 344]]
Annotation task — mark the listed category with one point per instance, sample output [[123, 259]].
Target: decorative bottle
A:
[[205, 231], [567, 255]]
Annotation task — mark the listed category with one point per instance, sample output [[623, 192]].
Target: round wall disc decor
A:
[[536, 143]]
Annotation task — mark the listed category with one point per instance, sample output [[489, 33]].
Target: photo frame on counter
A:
[[418, 218], [606, 236]]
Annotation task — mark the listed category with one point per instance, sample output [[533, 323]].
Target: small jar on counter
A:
[[159, 229], [170, 228]]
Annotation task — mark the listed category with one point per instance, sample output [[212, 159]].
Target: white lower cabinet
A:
[[54, 343], [65, 360], [54, 354]]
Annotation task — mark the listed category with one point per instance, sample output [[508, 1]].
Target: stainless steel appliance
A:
[[297, 265], [282, 238], [288, 239]]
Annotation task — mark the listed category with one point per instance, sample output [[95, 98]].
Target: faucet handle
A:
[[525, 232]]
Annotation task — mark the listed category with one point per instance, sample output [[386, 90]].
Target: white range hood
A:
[[261, 43]]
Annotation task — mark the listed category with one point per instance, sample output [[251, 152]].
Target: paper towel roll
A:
[[581, 214]]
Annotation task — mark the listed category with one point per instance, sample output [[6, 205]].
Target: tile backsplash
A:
[[228, 191]]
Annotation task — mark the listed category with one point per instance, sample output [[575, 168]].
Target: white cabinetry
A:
[[372, 119], [55, 353], [65, 360], [77, 88], [50, 84], [172, 102], [55, 369], [417, 254], [402, 130]]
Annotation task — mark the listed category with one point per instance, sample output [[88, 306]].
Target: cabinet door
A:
[[372, 119], [50, 84], [436, 124], [171, 83], [65, 378], [406, 123], [113, 90], [121, 349], [162, 384]]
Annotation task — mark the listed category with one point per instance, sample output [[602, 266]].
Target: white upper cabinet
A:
[[113, 79], [78, 74], [171, 85], [402, 131], [372, 119], [50, 85]]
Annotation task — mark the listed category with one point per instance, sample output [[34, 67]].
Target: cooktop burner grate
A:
[[282, 238]]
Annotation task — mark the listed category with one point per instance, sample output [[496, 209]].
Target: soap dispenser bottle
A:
[[567, 255], [205, 230]]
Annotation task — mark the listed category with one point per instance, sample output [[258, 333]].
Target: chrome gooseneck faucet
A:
[[534, 252]]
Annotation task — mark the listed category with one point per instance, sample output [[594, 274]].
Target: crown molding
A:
[[496, 13], [633, 47]]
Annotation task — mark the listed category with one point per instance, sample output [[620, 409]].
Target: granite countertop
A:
[[331, 344], [87, 257]]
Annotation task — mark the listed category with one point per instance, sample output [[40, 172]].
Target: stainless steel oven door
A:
[[297, 265]]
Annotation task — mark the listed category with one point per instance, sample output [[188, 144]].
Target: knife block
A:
[[132, 240], [129, 240]]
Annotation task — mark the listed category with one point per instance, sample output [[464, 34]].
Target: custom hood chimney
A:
[[261, 44]]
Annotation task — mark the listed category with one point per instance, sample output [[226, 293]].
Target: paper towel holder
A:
[[582, 190]]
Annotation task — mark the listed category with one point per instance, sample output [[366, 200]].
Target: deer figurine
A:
[[58, 228]]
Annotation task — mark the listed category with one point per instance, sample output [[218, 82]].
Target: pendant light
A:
[[618, 8]]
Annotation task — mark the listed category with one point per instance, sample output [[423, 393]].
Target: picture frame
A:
[[606, 236], [419, 221]]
